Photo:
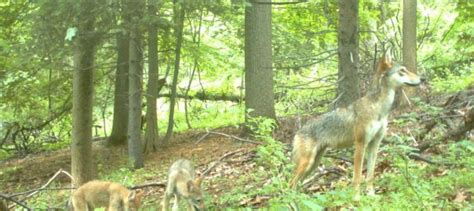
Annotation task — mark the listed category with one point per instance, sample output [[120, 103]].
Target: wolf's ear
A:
[[132, 195], [385, 63], [139, 193], [190, 186], [198, 181], [135, 197]]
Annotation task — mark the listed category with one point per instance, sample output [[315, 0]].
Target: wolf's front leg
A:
[[165, 204], [372, 150], [190, 205], [358, 164], [176, 202]]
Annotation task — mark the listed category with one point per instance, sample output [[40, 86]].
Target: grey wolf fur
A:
[[183, 183], [361, 124]]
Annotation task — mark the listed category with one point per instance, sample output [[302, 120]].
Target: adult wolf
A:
[[362, 124]]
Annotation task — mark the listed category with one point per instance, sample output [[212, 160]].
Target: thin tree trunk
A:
[[187, 92], [179, 19], [197, 41], [120, 121], [259, 95], [151, 132], [135, 149], [82, 167], [408, 45], [348, 44]]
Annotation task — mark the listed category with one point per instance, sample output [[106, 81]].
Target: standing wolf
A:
[[363, 124], [183, 183]]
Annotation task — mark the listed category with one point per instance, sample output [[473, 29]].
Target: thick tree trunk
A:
[[408, 45], [259, 95], [151, 132], [120, 122], [135, 149], [348, 44], [179, 20], [83, 91]]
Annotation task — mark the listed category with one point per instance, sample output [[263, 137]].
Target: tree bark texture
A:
[[151, 131], [82, 168], [348, 47], [259, 94], [179, 20], [408, 45], [135, 149], [120, 121]]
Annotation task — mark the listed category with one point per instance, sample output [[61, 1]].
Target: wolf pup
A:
[[362, 123], [183, 183], [112, 196]]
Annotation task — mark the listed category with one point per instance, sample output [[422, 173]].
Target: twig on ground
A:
[[153, 184], [10, 198], [205, 172], [310, 180], [31, 191], [340, 158], [49, 182], [406, 98], [418, 157], [426, 160], [227, 135], [202, 137]]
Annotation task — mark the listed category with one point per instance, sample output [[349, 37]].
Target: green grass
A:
[[214, 115], [407, 185]]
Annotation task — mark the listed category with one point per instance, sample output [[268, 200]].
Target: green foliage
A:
[[212, 115], [454, 83], [271, 154], [431, 186], [45, 200], [36, 70]]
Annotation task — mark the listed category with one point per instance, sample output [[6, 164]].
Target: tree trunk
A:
[[348, 44], [151, 131], [179, 20], [83, 91], [259, 95], [120, 122], [408, 45], [135, 150]]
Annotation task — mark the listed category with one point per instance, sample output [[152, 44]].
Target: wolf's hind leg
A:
[[306, 157]]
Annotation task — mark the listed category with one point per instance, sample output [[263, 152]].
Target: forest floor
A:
[[35, 170], [237, 158]]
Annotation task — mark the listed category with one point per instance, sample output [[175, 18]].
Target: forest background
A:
[[192, 75]]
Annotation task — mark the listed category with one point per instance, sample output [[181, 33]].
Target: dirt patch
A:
[[34, 170]]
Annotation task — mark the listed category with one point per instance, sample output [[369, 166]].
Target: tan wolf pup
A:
[[112, 196], [183, 183], [362, 123]]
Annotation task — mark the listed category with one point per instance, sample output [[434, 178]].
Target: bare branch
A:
[[229, 136], [205, 172]]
